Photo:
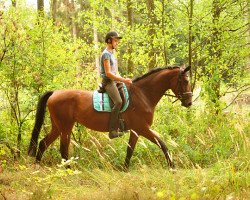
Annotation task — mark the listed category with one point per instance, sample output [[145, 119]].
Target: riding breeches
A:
[[114, 94]]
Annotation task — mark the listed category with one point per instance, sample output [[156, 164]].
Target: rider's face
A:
[[115, 42]]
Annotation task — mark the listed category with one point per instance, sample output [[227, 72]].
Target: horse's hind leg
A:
[[44, 144], [131, 146], [66, 130], [64, 145], [153, 137]]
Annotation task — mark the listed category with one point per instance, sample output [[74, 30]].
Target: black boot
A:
[[114, 134], [113, 124]]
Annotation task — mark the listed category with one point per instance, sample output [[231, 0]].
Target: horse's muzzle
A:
[[186, 99], [188, 104]]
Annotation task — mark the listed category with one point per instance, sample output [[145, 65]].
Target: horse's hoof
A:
[[68, 166], [36, 166], [125, 169], [173, 170]]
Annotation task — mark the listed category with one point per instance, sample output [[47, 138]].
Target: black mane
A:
[[153, 71]]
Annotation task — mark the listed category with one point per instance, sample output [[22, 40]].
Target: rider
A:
[[110, 76]]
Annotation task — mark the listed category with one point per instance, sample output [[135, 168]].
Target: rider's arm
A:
[[112, 76]]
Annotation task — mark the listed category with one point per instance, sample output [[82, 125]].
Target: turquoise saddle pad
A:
[[101, 101]]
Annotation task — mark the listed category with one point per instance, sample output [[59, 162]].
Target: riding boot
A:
[[113, 124]]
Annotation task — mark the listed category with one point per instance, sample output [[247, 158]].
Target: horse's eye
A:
[[186, 80]]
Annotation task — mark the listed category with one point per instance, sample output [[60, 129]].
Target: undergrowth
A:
[[220, 181]]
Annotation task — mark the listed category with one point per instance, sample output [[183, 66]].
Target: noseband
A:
[[182, 96]]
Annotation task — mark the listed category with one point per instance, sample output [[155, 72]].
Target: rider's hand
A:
[[127, 81]]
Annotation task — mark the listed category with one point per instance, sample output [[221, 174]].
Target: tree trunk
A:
[[165, 51], [215, 54], [73, 19], [130, 26], [96, 48], [13, 98], [67, 17], [151, 33], [247, 17], [70, 16], [84, 6], [40, 7], [53, 6], [13, 3], [190, 40]]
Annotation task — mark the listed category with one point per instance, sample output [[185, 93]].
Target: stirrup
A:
[[114, 134]]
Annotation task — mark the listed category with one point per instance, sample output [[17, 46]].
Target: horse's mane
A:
[[154, 71]]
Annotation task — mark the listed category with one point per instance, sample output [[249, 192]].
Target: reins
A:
[[180, 95], [169, 95]]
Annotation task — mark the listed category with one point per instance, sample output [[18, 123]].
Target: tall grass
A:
[[221, 181]]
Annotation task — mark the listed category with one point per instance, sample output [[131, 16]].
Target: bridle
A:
[[182, 96]]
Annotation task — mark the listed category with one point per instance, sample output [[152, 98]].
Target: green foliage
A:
[[37, 54], [200, 138], [37, 57]]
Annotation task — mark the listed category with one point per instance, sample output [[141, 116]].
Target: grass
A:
[[220, 181]]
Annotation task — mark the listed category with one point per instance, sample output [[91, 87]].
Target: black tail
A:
[[40, 113]]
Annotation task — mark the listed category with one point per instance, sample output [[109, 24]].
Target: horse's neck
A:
[[155, 86]]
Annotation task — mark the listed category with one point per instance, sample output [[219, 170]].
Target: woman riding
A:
[[110, 76]]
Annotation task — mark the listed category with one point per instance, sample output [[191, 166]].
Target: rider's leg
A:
[[113, 92]]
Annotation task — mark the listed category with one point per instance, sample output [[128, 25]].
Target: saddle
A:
[[102, 102]]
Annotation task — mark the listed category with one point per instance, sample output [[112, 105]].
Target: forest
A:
[[57, 44]]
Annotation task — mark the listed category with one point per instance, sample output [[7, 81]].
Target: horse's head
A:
[[182, 89]]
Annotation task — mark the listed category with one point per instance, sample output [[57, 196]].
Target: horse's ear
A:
[[187, 69]]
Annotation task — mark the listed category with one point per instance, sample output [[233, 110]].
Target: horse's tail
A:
[[40, 113]]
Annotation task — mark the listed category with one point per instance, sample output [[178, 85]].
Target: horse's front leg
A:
[[131, 146], [153, 137]]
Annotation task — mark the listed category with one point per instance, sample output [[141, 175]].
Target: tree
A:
[[13, 3], [53, 9], [130, 27], [247, 19], [40, 7], [215, 50], [165, 53], [190, 39], [151, 33], [12, 72], [34, 57], [225, 59]]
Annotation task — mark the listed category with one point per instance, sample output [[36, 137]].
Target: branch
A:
[[24, 119], [5, 46], [236, 90], [15, 152], [12, 107], [236, 97], [73, 135], [3, 195], [234, 30], [197, 97], [185, 6], [2, 57]]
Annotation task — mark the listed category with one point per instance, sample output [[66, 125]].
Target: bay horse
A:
[[66, 107]]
